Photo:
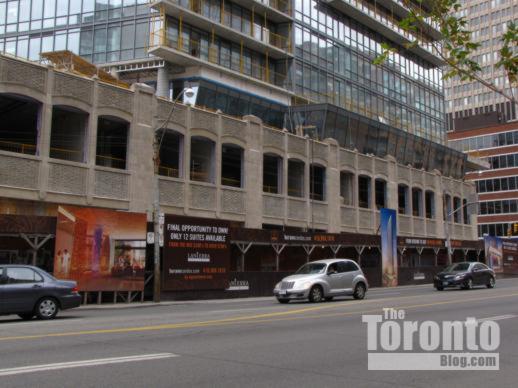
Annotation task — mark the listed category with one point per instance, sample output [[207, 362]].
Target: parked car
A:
[[29, 291], [465, 275], [323, 280]]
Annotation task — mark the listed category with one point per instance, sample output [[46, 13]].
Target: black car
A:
[[29, 291], [465, 275]]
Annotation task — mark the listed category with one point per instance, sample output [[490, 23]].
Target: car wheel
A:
[[359, 291], [329, 298], [468, 284], [284, 301], [26, 317], [46, 308], [316, 294], [440, 288], [491, 283]]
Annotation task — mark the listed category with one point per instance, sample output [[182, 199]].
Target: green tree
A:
[[456, 47]]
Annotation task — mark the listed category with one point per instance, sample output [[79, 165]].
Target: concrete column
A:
[[253, 165], [45, 129], [333, 188], [392, 184], [92, 143], [439, 210], [307, 185], [162, 81]]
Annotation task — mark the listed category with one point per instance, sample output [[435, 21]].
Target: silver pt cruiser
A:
[[323, 280]]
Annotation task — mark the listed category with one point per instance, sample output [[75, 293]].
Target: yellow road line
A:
[[258, 318]]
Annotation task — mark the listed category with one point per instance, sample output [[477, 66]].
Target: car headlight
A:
[[436, 277], [277, 286], [458, 277], [304, 285]]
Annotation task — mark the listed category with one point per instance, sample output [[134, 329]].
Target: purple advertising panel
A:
[[494, 253], [196, 253]]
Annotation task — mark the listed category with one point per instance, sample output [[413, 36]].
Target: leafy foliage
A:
[[456, 47]]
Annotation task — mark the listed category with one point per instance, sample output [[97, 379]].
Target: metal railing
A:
[[238, 63], [110, 161], [262, 33], [20, 148], [168, 171]]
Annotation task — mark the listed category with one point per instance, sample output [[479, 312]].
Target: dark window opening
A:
[[19, 123], [317, 176], [402, 199], [430, 204], [417, 210], [346, 188], [68, 134], [447, 207], [112, 142], [457, 210], [272, 174], [202, 160], [295, 178], [171, 153], [364, 191], [465, 211], [231, 165], [380, 188]]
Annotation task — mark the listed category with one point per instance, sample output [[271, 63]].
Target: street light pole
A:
[[447, 227], [188, 92]]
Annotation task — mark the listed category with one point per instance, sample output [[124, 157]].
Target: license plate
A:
[[444, 283], [283, 292]]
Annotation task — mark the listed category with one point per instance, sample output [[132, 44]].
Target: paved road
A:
[[245, 343]]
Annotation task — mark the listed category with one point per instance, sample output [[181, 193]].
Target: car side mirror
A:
[[3, 279]]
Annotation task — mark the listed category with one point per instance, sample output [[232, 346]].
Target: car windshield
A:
[[457, 267], [311, 268]]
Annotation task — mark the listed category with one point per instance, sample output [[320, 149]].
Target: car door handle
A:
[[36, 286]]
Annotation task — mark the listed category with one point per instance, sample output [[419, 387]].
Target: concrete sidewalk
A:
[[123, 305]]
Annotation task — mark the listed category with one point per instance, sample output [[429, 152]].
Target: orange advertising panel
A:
[[103, 250]]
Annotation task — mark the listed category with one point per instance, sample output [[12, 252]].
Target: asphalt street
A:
[[245, 343]]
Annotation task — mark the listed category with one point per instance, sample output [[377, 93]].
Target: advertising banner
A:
[[103, 250], [494, 253], [388, 230], [196, 253]]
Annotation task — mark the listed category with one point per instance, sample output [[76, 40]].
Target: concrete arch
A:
[[72, 102]]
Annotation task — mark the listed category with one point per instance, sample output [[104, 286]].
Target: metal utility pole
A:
[[159, 138], [447, 226]]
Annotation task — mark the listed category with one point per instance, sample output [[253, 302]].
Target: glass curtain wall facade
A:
[[332, 61], [101, 31]]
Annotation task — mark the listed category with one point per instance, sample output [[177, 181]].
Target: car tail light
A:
[[75, 289]]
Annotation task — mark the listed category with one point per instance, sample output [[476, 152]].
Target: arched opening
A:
[[19, 124], [417, 199], [68, 133], [317, 182], [295, 178], [364, 191], [171, 153], [457, 210], [346, 188], [202, 159], [231, 165], [380, 193], [403, 200], [272, 174], [112, 142], [446, 203], [429, 199]]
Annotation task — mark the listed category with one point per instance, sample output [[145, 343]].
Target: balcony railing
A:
[[392, 23], [255, 31], [237, 63], [20, 148]]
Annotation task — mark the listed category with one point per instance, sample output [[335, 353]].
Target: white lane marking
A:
[[84, 363], [498, 318]]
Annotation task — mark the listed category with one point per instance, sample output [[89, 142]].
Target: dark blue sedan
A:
[[29, 291]]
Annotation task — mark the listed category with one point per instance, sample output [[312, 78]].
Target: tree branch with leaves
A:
[[457, 47]]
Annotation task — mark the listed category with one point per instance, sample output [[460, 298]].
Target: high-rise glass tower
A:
[[275, 59]]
